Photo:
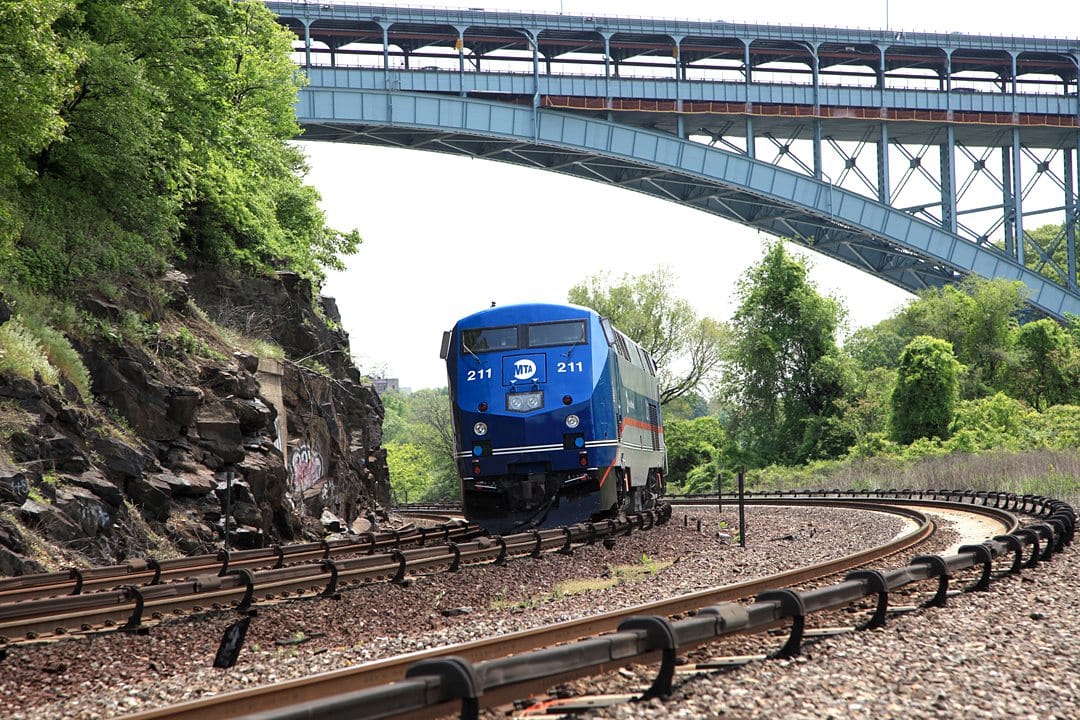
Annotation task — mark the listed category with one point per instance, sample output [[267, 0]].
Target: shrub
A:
[[22, 355], [926, 392], [63, 357]]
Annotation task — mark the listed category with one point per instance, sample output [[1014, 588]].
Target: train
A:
[[556, 417]]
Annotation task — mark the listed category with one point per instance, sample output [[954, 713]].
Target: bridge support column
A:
[[883, 182], [816, 70], [751, 151], [307, 44], [948, 180], [1071, 210], [1018, 195], [1009, 226], [817, 148], [607, 72]]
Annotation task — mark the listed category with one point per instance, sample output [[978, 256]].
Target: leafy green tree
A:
[[878, 346], [927, 390], [784, 373], [691, 444], [1046, 371], [167, 129], [978, 317], [36, 80], [690, 406], [418, 428], [687, 349]]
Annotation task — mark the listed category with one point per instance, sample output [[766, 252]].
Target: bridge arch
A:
[[846, 226]]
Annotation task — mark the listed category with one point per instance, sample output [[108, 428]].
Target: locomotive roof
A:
[[524, 313]]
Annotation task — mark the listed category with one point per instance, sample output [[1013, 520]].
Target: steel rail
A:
[[134, 607], [148, 571], [380, 672]]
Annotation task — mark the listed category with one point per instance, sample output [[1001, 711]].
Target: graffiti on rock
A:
[[307, 468]]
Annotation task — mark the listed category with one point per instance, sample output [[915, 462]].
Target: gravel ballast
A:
[[989, 653]]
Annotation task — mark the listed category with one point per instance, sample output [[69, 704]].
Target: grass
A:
[[22, 355], [1053, 473], [256, 346], [616, 575]]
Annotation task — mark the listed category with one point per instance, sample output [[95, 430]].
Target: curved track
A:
[[328, 695]]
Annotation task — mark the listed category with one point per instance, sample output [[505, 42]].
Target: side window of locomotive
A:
[[609, 332], [489, 339], [557, 333], [649, 364]]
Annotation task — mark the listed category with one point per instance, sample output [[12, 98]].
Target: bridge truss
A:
[[919, 158]]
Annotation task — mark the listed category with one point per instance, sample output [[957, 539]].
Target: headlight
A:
[[524, 401], [572, 421], [480, 428]]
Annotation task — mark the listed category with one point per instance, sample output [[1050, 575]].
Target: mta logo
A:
[[524, 369]]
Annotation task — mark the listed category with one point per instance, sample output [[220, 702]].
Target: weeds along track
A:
[[498, 670], [135, 595]]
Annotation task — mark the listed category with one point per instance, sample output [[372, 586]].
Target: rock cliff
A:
[[191, 430]]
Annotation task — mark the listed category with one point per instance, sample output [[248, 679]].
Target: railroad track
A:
[[150, 571], [314, 569], [494, 671]]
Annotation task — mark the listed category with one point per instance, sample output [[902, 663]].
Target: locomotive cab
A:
[[547, 430]]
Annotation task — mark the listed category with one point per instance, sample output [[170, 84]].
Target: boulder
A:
[[237, 491], [13, 564], [122, 382], [254, 415], [183, 404], [246, 513], [51, 522], [65, 454], [247, 361], [96, 483], [152, 494], [224, 382], [85, 509], [121, 461], [220, 433], [331, 523], [247, 538], [188, 484], [14, 487], [175, 285]]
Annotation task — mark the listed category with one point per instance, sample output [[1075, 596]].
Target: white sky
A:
[[445, 236]]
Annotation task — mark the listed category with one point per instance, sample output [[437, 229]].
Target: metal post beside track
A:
[[742, 507]]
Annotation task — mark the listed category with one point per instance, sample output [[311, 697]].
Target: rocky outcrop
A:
[[187, 442]]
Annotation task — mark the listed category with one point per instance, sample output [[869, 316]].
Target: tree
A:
[[156, 128], [692, 444], [927, 390], [36, 74], [977, 316], [784, 372], [420, 445], [878, 346], [1046, 370], [687, 349]]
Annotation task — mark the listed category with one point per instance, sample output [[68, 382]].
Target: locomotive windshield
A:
[[558, 333], [488, 339]]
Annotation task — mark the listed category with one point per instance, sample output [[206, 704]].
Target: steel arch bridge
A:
[[920, 159]]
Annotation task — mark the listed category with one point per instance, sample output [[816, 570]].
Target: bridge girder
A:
[[868, 235]]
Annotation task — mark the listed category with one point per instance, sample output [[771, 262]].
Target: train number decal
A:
[[570, 367], [481, 374]]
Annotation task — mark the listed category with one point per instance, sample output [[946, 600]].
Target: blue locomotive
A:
[[556, 417]]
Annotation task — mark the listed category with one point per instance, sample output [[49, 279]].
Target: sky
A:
[[446, 236]]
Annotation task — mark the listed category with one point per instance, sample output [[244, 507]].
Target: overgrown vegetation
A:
[[952, 391], [134, 135]]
